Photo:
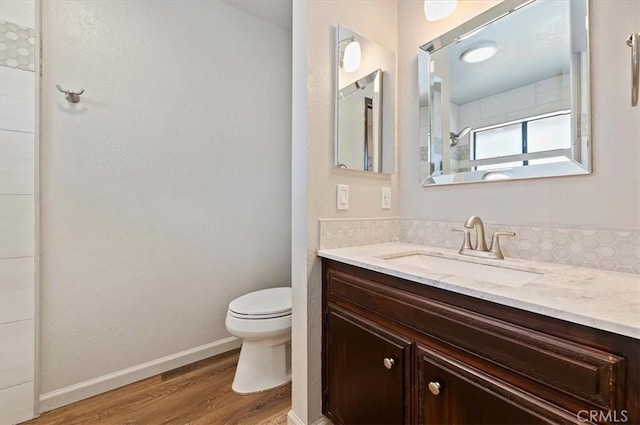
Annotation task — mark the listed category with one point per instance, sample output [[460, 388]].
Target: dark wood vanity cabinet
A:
[[372, 366], [398, 352], [453, 392]]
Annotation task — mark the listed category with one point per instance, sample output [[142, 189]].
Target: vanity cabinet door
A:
[[451, 391], [367, 373]]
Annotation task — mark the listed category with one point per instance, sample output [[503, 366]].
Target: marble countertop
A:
[[599, 299]]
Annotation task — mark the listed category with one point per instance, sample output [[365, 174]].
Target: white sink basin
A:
[[483, 272]]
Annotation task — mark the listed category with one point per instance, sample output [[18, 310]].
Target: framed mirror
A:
[[365, 111], [506, 95]]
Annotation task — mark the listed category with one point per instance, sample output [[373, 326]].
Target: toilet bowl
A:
[[262, 319]]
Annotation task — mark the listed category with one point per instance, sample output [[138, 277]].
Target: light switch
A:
[[386, 198], [342, 197]]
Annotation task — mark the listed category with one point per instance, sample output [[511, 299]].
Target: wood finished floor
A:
[[197, 394]]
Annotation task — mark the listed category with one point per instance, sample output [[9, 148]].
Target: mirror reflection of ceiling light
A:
[[351, 55], [434, 10], [479, 52]]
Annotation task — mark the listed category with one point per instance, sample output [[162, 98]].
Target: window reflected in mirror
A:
[[507, 91]]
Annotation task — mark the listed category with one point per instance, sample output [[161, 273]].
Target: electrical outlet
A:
[[342, 197], [386, 198]]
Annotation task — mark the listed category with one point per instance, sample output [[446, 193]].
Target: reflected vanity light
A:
[[350, 54], [479, 53], [500, 174], [434, 10]]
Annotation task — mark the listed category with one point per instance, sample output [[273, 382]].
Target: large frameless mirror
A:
[[506, 95], [364, 133]]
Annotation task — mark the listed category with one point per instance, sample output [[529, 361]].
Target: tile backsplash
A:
[[613, 250], [600, 249], [343, 233]]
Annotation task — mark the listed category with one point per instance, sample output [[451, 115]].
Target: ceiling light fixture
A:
[[350, 54], [434, 10], [479, 52]]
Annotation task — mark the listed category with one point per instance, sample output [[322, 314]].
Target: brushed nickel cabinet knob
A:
[[435, 387], [388, 362]]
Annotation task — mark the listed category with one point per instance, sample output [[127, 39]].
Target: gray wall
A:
[[609, 198], [166, 190]]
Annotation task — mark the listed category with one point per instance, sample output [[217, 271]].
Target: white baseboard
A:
[[111, 381], [293, 419]]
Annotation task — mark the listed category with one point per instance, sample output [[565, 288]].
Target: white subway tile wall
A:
[[612, 250], [20, 12], [16, 404], [17, 210], [16, 353], [17, 114], [17, 83], [17, 156], [17, 289], [17, 228]]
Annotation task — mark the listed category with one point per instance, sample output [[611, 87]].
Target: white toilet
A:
[[262, 319]]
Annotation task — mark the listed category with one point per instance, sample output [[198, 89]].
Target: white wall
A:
[[609, 198], [315, 177], [166, 190], [17, 211]]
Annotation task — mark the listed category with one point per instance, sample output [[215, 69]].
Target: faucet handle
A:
[[495, 243], [466, 243]]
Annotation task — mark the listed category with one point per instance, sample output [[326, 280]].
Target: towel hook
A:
[[71, 96], [633, 41]]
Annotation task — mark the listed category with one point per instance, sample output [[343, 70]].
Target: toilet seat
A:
[[265, 304], [258, 316]]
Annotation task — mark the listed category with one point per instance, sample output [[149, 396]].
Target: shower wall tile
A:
[[21, 12], [16, 353], [17, 289], [502, 103], [468, 113], [17, 218], [16, 404], [18, 83], [17, 114], [537, 98], [17, 46], [549, 90], [17, 209], [17, 163]]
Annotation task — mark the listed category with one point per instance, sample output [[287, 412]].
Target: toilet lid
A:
[[267, 302]]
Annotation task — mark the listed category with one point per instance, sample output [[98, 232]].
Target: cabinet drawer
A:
[[581, 371], [453, 392]]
